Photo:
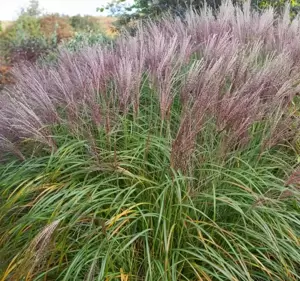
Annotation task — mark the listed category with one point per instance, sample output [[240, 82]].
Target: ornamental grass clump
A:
[[168, 155]]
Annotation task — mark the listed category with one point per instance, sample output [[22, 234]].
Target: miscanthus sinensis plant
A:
[[170, 155]]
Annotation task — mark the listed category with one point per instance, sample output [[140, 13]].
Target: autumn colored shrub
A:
[[5, 76], [55, 24]]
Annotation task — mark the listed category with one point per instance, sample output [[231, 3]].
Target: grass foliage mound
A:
[[170, 155]]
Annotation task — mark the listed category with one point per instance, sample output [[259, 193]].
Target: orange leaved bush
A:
[[5, 76], [56, 24]]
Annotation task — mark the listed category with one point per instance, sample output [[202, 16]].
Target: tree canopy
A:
[[153, 8], [33, 9]]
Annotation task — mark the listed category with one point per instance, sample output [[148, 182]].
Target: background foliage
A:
[[35, 35], [142, 9]]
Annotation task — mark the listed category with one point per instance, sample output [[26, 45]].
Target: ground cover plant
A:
[[170, 155]]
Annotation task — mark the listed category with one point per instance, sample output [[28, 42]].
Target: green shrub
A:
[[85, 39], [25, 40], [24, 26], [30, 49], [85, 23]]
